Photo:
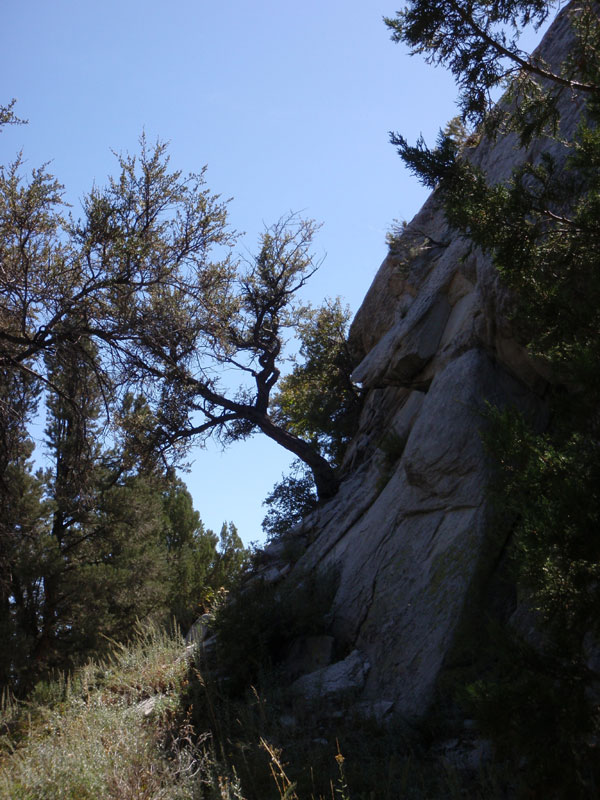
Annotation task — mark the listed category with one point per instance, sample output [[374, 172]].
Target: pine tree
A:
[[23, 527], [104, 563], [201, 563]]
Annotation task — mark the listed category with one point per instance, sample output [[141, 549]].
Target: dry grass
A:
[[114, 731], [121, 730]]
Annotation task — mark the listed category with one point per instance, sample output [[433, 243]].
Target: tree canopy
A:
[[150, 278], [317, 401], [142, 331], [479, 43]]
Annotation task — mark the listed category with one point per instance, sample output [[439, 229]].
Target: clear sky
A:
[[289, 105]]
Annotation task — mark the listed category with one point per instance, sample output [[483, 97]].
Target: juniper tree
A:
[[23, 518], [317, 401], [149, 277], [201, 563], [87, 558], [126, 319], [479, 43]]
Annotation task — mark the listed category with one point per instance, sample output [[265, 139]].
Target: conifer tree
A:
[[85, 549], [148, 276], [201, 563], [318, 402], [23, 525], [104, 564], [317, 399]]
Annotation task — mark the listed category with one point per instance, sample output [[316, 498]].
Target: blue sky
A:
[[289, 105]]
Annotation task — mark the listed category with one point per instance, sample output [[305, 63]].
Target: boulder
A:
[[199, 630], [343, 678], [308, 654]]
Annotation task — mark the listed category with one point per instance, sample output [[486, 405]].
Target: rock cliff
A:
[[408, 535]]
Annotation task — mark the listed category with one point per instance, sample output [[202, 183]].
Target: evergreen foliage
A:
[[95, 542], [201, 564], [290, 500], [122, 322], [479, 43], [22, 523], [78, 581], [318, 402], [317, 399], [149, 278]]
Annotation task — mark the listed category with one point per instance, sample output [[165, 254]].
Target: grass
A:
[[151, 723], [121, 730], [114, 730], [283, 748]]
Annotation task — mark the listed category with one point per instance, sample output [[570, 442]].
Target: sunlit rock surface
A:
[[408, 535]]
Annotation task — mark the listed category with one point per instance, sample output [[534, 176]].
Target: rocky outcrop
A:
[[408, 533]]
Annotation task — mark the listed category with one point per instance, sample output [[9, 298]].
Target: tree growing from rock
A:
[[317, 401], [131, 321]]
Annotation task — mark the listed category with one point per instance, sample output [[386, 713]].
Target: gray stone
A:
[[342, 678], [307, 654], [377, 710], [466, 755], [273, 573], [199, 630], [407, 347], [408, 532], [274, 550], [146, 707]]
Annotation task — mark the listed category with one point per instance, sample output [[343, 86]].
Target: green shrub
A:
[[535, 708], [289, 501]]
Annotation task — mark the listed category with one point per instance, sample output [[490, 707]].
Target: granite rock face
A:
[[408, 534], [337, 680]]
